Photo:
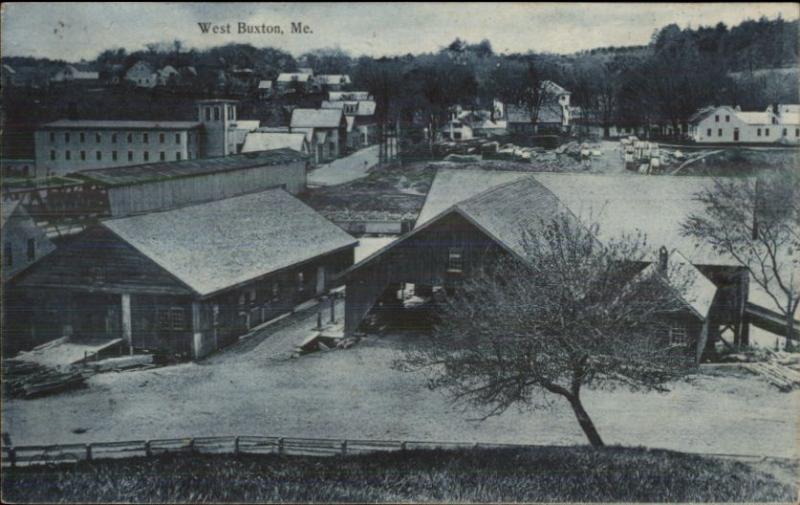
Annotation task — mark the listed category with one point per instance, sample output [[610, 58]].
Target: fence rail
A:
[[30, 455]]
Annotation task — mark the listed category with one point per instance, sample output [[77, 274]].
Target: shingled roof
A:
[[149, 172], [316, 118], [655, 206], [217, 245]]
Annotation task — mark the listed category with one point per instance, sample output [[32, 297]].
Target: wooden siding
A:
[[178, 192], [99, 261], [421, 259]]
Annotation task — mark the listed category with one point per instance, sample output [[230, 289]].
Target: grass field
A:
[[478, 475]]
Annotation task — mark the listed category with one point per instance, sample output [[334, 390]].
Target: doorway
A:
[[736, 134]]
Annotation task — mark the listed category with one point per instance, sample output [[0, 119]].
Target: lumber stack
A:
[[27, 380], [780, 376]]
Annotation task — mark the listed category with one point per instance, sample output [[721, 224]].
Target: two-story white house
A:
[[725, 124], [142, 75]]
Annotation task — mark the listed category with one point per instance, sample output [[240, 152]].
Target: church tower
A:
[[217, 116]]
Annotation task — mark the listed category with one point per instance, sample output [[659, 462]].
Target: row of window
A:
[[758, 132], [8, 253], [675, 335], [173, 318], [727, 118], [218, 114], [162, 155], [98, 137]]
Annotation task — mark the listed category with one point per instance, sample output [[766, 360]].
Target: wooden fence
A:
[[17, 456], [72, 453]]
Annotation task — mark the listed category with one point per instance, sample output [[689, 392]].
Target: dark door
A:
[[736, 134]]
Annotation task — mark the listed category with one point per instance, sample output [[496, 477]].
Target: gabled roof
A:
[[246, 124], [655, 206], [451, 186], [151, 172], [218, 245], [7, 209], [121, 125], [264, 141], [755, 117], [299, 77], [264, 84], [333, 79], [788, 114], [694, 288], [348, 95], [316, 118]]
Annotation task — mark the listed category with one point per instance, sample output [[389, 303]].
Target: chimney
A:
[[663, 259]]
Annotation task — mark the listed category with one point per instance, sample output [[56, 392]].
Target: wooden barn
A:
[[472, 216], [137, 189], [185, 281]]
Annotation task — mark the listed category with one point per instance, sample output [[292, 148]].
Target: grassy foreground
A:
[[480, 475]]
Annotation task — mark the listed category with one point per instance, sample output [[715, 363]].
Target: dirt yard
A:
[[257, 388]]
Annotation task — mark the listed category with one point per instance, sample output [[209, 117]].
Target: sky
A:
[[75, 31]]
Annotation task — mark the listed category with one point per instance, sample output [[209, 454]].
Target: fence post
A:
[[147, 451], [88, 452], [280, 446], [236, 445], [344, 447]]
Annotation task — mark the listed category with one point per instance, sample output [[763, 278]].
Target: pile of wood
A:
[[24, 379], [779, 375]]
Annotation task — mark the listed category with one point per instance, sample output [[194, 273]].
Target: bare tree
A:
[[758, 225], [570, 315]]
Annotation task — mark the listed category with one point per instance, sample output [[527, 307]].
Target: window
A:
[[164, 322], [130, 155], [708, 132], [276, 288], [758, 132], [52, 136], [162, 156], [178, 156], [716, 118], [252, 294], [177, 138], [454, 259], [98, 138], [130, 138], [719, 132], [66, 137], [146, 156], [177, 318], [67, 155], [674, 335], [52, 155], [31, 249], [99, 155], [113, 138], [727, 118], [161, 138], [216, 113], [145, 138], [797, 132], [9, 255], [785, 132], [83, 137], [83, 155], [766, 132], [208, 113], [300, 281], [114, 155]]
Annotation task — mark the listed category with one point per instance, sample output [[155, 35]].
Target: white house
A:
[[72, 73], [164, 74], [325, 129], [142, 75], [267, 141], [288, 82], [726, 124], [333, 82]]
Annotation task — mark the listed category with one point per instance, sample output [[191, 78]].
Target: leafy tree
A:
[[568, 315], [758, 225]]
